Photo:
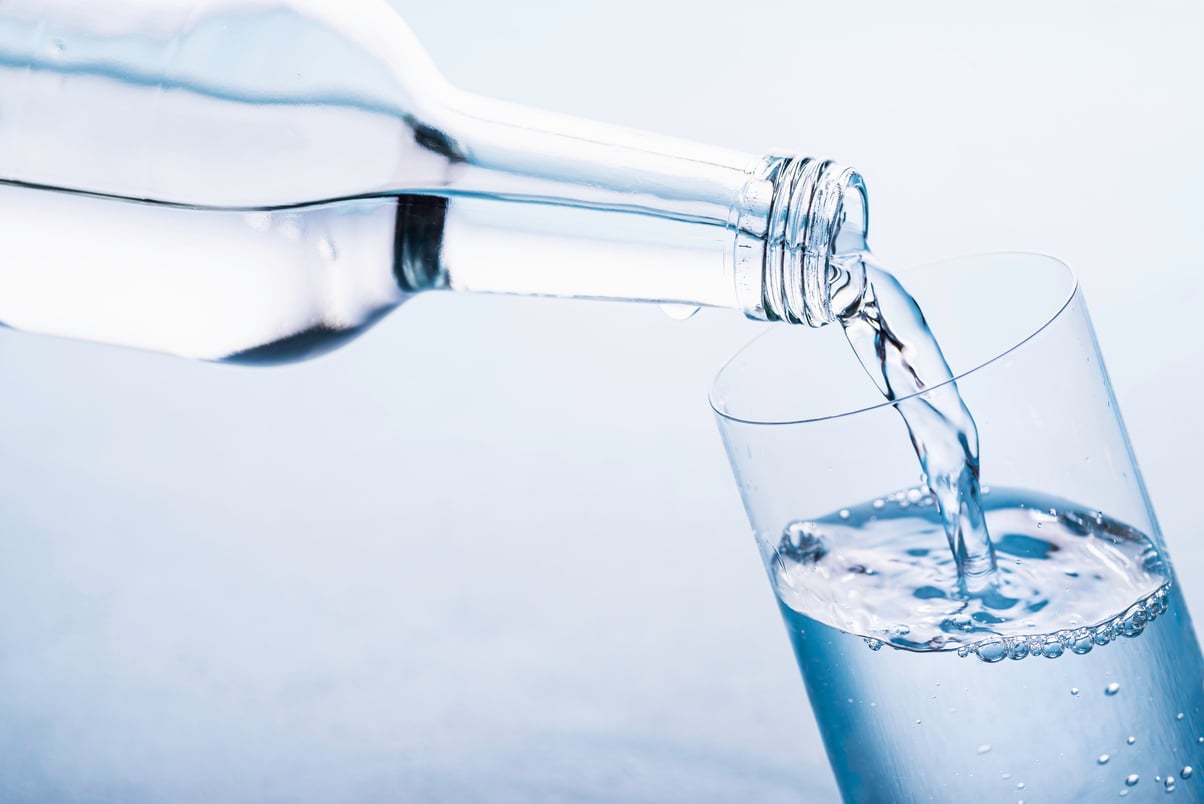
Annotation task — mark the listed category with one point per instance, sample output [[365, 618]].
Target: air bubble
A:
[[1052, 648], [802, 542], [844, 513], [1179, 716], [1082, 641], [1112, 689], [991, 650], [873, 644], [1017, 648], [879, 503]]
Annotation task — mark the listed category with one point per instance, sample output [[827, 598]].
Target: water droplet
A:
[[1074, 690], [326, 249], [1124, 793], [1186, 772], [986, 748], [1112, 689], [1019, 785], [984, 490], [1132, 740], [914, 495], [844, 513], [879, 503], [290, 228], [1005, 775], [1132, 779], [1103, 759], [1179, 716], [258, 221], [1053, 511], [1169, 784], [874, 644]]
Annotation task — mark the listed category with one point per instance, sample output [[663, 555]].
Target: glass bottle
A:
[[260, 179]]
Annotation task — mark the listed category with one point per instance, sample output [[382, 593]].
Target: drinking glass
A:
[[1111, 701]]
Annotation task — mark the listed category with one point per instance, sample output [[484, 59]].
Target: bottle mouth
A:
[[814, 236]]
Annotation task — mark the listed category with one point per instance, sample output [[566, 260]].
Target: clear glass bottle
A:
[[259, 179]]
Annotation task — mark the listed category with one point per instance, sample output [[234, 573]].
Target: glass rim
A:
[[1071, 293]]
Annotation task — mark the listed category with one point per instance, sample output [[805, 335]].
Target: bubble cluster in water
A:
[[1079, 640], [1067, 580]]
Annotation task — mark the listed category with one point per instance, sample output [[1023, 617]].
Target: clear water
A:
[[897, 349], [1079, 673]]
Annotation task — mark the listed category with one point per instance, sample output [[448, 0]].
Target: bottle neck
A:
[[542, 204], [801, 231]]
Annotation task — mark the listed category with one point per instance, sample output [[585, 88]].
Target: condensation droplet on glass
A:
[[290, 228], [1132, 740], [1132, 779], [1103, 759], [1186, 772], [326, 249], [258, 221], [1112, 689], [1074, 690]]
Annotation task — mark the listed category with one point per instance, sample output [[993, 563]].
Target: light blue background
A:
[[491, 551]]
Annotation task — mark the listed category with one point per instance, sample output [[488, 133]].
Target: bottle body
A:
[[311, 157]]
